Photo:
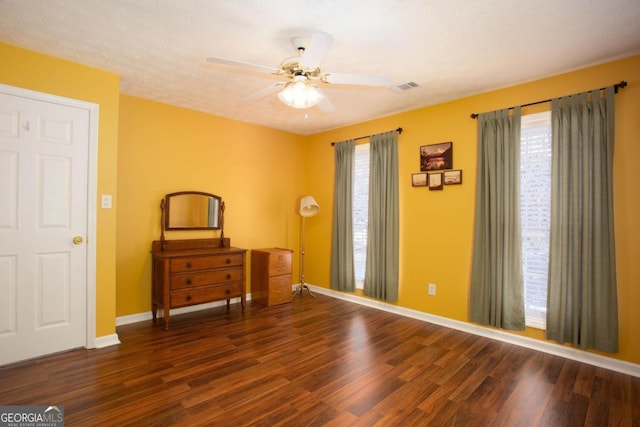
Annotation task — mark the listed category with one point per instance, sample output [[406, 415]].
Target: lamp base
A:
[[300, 288]]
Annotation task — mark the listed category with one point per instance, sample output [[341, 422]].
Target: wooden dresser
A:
[[195, 271], [271, 276]]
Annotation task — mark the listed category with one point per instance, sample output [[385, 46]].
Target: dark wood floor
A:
[[318, 362]]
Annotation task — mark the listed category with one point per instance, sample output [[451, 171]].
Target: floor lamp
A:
[[308, 207]]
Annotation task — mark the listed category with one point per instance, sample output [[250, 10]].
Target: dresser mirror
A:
[[192, 210]]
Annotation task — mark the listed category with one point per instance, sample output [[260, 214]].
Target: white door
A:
[[43, 227]]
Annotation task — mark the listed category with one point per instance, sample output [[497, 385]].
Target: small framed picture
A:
[[452, 177], [419, 179], [436, 156], [435, 181]]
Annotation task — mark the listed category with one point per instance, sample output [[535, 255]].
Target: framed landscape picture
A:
[[435, 181], [419, 179], [452, 177], [436, 156]]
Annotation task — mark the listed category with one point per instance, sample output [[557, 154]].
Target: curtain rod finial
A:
[[474, 115], [620, 85]]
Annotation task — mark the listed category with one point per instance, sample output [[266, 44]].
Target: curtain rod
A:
[[616, 86], [399, 130]]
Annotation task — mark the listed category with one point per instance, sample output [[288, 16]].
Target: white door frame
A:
[[92, 191]]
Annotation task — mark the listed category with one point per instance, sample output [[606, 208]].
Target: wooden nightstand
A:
[[271, 276]]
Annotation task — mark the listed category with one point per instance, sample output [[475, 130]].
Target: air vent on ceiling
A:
[[405, 86]]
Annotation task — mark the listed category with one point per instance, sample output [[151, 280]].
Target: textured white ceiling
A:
[[450, 48]]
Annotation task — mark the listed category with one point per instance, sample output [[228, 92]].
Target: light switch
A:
[[106, 201]]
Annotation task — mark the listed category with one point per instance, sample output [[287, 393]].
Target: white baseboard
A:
[[141, 317], [107, 340], [543, 346]]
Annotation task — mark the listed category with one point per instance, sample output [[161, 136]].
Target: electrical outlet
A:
[[432, 288]]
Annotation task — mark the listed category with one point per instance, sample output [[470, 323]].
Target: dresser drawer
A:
[[179, 265], [279, 263], [206, 294], [202, 278], [279, 290]]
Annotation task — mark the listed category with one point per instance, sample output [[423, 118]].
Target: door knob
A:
[[77, 240]]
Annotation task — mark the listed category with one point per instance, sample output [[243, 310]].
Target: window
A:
[[535, 212], [360, 211]]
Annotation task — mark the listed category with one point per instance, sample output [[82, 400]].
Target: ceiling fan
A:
[[303, 75]]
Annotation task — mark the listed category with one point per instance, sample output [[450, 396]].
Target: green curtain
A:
[[381, 273], [342, 267], [582, 304], [497, 287]]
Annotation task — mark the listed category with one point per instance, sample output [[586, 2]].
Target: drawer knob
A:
[[228, 291], [188, 281], [228, 261], [188, 298], [188, 265], [228, 276]]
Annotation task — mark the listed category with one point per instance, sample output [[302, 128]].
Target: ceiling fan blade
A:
[[263, 92], [314, 53], [325, 104], [244, 65], [357, 79]]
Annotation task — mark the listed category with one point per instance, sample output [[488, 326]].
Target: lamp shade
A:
[[308, 206]]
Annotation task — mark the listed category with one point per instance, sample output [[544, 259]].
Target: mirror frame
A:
[[166, 209]]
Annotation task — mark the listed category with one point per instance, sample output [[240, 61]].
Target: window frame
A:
[[360, 187], [535, 316]]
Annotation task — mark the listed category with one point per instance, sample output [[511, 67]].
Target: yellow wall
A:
[[257, 171], [436, 227], [30, 70]]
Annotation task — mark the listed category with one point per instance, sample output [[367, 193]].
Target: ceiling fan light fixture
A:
[[300, 94]]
